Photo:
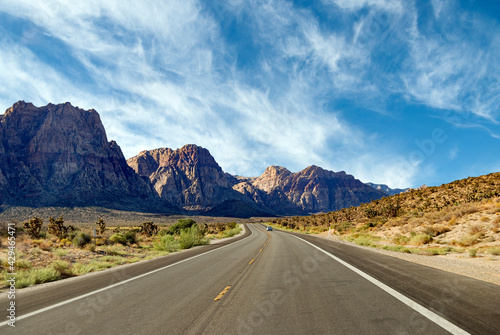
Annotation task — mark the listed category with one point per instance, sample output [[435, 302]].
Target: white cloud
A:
[[358, 4], [456, 70]]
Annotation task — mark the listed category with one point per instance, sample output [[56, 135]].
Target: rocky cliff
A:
[[59, 155], [311, 190], [191, 179]]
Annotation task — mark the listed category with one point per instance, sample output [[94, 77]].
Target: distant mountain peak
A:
[[386, 189]]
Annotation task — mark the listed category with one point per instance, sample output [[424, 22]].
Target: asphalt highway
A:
[[262, 283]]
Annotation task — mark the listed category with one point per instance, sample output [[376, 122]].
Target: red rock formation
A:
[[60, 155], [188, 177]]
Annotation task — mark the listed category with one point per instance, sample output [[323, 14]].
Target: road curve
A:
[[263, 283]]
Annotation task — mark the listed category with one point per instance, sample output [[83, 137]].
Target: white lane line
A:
[[62, 303], [440, 321]]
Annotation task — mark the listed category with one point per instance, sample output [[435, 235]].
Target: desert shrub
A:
[[231, 232], [131, 237], [72, 235], [57, 227], [118, 238], [420, 239], [397, 248], [65, 242], [436, 251], [476, 228], [30, 277], [436, 230], [400, 239], [472, 253], [62, 267], [342, 227], [494, 251], [93, 266], [124, 238], [181, 224], [366, 240], [22, 264], [33, 227], [166, 243], [61, 252], [149, 228], [191, 237], [470, 239], [82, 240], [371, 212]]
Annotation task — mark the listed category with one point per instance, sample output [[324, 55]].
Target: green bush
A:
[[420, 239], [166, 243], [181, 225], [124, 238], [30, 277], [397, 248], [191, 237], [62, 267], [82, 240], [366, 240], [231, 232]]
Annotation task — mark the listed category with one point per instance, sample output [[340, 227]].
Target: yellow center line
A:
[[260, 250], [223, 292], [252, 261]]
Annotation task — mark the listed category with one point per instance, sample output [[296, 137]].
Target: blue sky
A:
[[398, 92]]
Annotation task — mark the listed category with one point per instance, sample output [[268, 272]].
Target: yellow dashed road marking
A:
[[222, 293]]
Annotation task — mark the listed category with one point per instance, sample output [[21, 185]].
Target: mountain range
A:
[[59, 155]]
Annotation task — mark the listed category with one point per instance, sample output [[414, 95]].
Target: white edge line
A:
[[114, 285], [440, 321]]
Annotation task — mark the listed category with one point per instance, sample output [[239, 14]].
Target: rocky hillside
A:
[[191, 178], [464, 213], [59, 155], [311, 190]]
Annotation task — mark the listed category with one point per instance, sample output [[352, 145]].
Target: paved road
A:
[[265, 283]]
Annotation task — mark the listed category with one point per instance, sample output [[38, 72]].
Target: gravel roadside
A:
[[485, 268]]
